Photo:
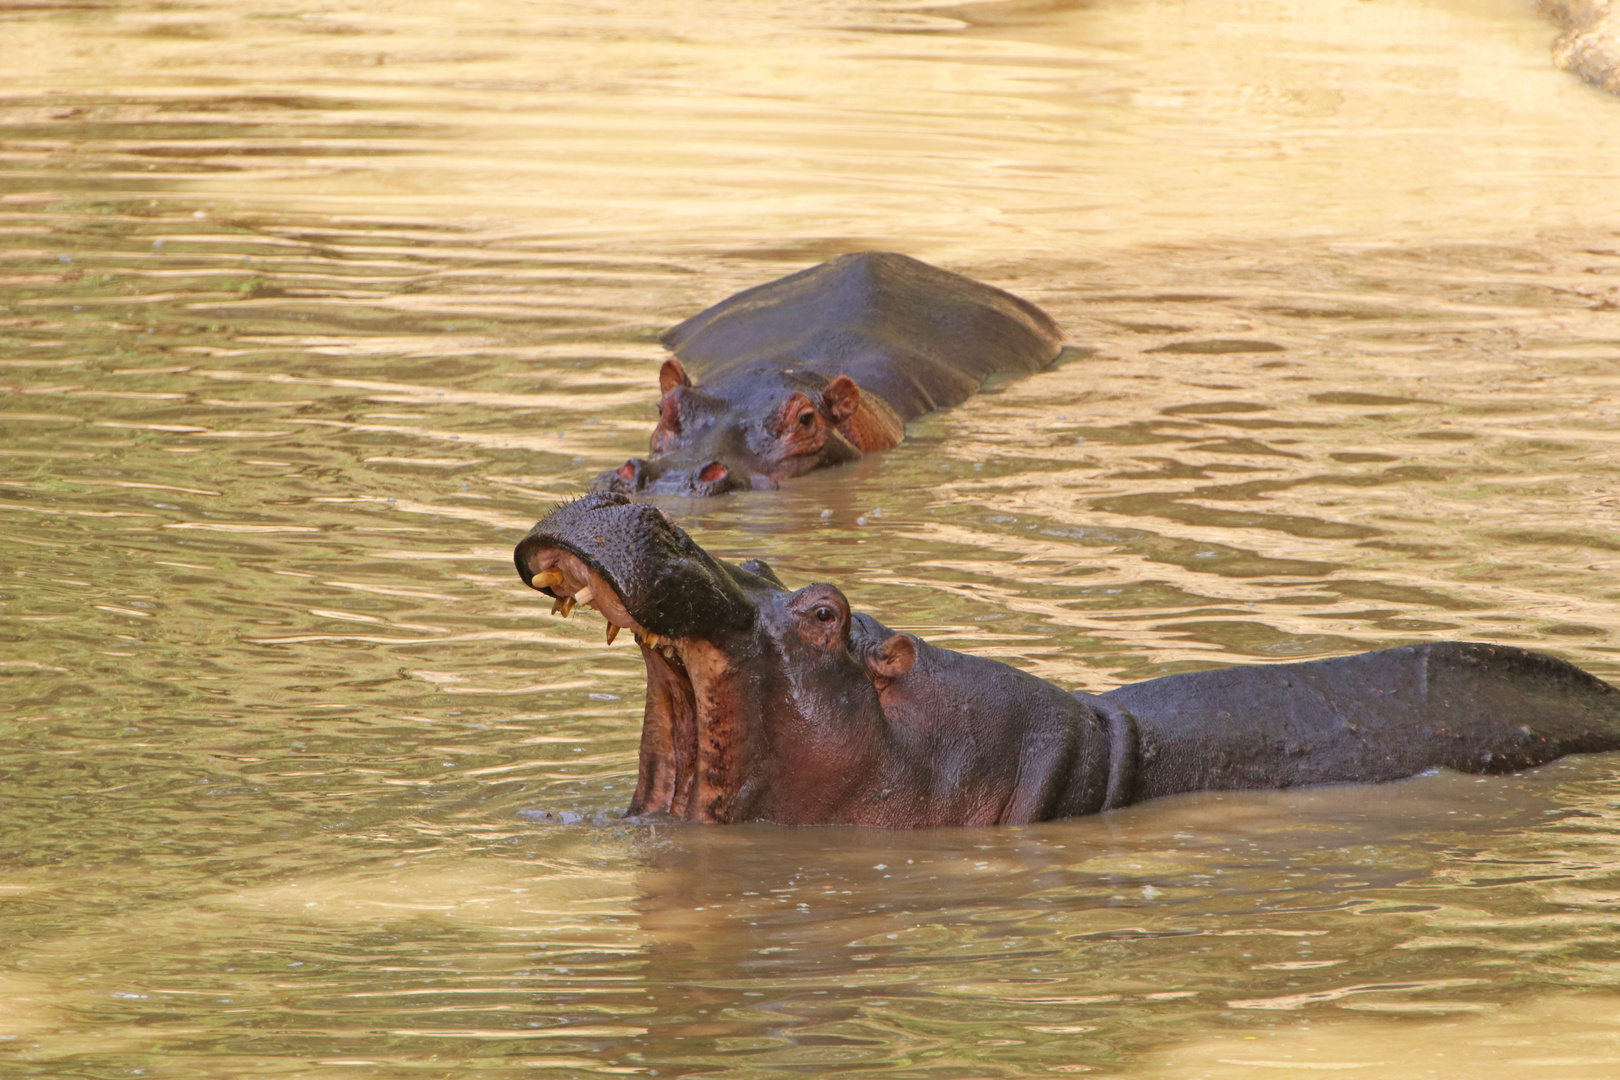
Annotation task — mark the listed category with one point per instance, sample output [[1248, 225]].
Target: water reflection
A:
[[1073, 944], [309, 314]]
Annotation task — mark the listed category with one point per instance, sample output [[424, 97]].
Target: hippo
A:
[[766, 703], [823, 366]]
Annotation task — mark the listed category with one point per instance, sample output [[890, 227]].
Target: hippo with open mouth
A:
[[766, 703], [823, 366]]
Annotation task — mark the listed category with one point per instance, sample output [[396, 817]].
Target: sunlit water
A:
[[310, 312]]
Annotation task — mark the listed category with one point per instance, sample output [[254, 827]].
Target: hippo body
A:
[[822, 366], [1367, 718], [770, 704]]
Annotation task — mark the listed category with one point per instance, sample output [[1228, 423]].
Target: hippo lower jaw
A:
[[684, 755]]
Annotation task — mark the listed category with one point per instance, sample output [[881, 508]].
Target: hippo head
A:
[[762, 702], [752, 430], [771, 704]]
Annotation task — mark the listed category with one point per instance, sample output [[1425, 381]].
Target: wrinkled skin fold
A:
[[771, 704], [822, 367]]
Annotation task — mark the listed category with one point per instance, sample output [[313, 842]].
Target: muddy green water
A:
[[306, 313]]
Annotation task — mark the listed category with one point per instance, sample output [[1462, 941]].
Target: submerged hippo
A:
[[821, 366], [770, 704]]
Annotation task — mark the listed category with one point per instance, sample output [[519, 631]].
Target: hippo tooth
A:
[[612, 632], [583, 596], [549, 577], [563, 606]]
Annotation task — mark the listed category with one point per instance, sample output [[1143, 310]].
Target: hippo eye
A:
[[825, 614], [807, 418]]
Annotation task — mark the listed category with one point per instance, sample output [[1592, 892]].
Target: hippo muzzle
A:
[[691, 476]]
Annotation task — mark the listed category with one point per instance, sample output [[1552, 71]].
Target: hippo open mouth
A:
[[645, 575], [770, 704]]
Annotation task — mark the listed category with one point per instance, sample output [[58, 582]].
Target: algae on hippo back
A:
[[771, 704], [822, 366]]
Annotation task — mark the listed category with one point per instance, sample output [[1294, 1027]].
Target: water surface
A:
[[309, 312]]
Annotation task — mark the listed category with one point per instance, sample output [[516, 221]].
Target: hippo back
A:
[[1371, 717], [919, 337]]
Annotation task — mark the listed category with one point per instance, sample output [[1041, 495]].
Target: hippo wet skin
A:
[[770, 704], [823, 366]]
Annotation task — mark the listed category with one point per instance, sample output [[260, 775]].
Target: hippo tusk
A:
[[584, 595], [612, 632], [546, 578], [563, 606]]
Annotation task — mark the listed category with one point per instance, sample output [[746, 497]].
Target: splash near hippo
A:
[[771, 704], [823, 366]]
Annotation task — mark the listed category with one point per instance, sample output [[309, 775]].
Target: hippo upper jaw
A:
[[653, 577]]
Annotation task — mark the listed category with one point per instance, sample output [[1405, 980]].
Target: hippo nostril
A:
[[713, 473], [627, 479]]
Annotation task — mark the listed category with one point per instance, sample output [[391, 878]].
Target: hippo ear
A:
[[761, 569], [892, 659], [671, 375], [842, 397]]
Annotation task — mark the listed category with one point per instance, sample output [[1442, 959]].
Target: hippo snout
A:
[[639, 476]]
